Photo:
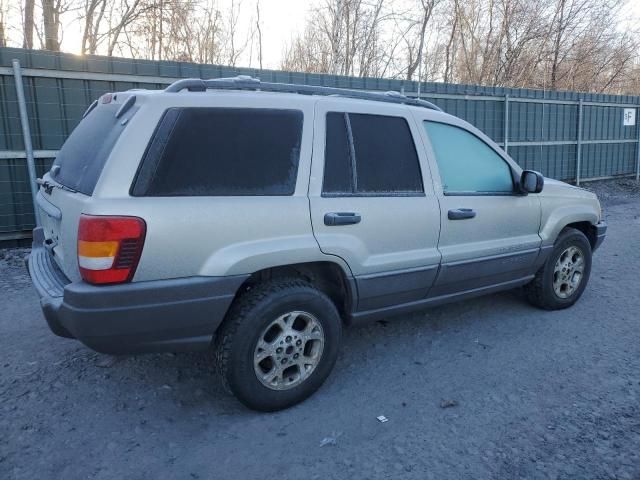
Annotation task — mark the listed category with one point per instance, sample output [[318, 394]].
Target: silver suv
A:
[[259, 218]]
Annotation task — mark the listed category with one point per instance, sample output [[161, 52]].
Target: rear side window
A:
[[222, 152], [82, 157], [370, 155], [338, 168]]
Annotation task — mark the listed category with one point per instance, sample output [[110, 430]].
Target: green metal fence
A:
[[566, 135]]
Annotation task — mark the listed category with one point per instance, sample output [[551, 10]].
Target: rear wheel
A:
[[564, 276], [278, 344]]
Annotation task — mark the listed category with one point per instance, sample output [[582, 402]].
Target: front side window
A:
[[466, 163], [370, 155], [222, 152]]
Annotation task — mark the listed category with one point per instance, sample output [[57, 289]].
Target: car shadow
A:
[[188, 381]]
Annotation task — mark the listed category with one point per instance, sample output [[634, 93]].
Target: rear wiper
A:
[[49, 186]]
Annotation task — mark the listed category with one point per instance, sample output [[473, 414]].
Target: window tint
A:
[[337, 167], [82, 157], [386, 158], [222, 151], [466, 163], [383, 155]]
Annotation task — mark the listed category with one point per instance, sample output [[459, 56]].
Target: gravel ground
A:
[[488, 388]]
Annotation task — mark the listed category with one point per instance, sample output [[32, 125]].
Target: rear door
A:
[[372, 201], [489, 230]]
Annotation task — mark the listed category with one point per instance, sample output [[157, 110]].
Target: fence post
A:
[[579, 142], [26, 135], [638, 149], [506, 123]]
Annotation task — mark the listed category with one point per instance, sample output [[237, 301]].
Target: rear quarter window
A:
[[199, 151]]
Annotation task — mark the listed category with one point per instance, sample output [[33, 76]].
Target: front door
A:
[[372, 200], [489, 229]]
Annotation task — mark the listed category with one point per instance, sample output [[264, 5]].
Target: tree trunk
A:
[[557, 45], [28, 24], [259, 28], [92, 22], [160, 30], [93, 43], [49, 16], [88, 26], [335, 36], [413, 66], [450, 50], [128, 16]]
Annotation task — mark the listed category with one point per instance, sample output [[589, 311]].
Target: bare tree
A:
[[94, 11], [51, 34], [160, 32], [3, 37], [308, 52], [567, 15], [341, 37], [515, 42], [28, 24], [415, 46], [128, 12], [557, 44], [259, 32], [235, 45], [191, 31], [582, 32], [208, 34], [51, 20], [451, 47], [521, 41]]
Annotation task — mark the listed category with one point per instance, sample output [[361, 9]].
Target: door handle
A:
[[341, 218], [461, 214]]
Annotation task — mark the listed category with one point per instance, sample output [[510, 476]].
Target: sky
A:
[[283, 19]]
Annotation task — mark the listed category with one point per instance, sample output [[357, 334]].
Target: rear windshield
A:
[[85, 152]]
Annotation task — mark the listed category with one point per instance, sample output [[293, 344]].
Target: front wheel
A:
[[564, 276], [278, 344]]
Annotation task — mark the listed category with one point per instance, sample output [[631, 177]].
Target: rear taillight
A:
[[109, 248]]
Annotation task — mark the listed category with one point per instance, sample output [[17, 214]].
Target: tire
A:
[[554, 291], [286, 314]]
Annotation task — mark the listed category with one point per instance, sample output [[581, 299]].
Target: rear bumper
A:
[[600, 234], [164, 315]]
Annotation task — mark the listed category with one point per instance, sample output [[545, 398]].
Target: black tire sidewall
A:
[[241, 376], [566, 240]]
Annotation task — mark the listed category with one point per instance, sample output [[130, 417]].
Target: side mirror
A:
[[531, 182]]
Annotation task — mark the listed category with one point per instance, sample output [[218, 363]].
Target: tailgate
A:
[[60, 214]]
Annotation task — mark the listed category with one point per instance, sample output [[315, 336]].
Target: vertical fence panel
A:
[[505, 127], [10, 117], [579, 141]]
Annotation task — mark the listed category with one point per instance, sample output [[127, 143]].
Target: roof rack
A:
[[245, 82]]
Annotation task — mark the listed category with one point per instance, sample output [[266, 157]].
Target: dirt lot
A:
[[489, 388]]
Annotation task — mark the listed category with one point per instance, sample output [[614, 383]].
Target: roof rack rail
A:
[[245, 82]]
